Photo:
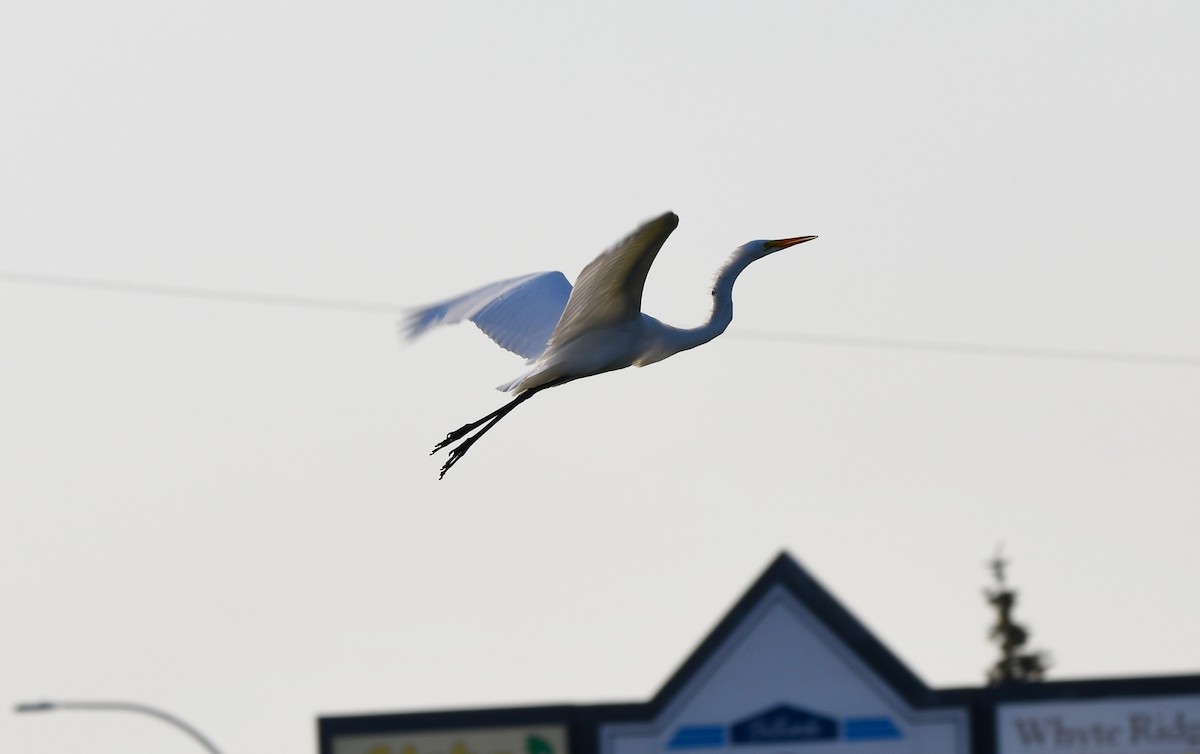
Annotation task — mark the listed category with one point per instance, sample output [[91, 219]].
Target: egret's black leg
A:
[[462, 431], [487, 422]]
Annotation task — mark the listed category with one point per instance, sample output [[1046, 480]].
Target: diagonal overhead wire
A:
[[766, 336], [211, 294], [978, 349]]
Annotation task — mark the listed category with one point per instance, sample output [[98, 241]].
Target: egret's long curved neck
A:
[[722, 311]]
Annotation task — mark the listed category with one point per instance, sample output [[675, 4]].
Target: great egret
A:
[[597, 327]]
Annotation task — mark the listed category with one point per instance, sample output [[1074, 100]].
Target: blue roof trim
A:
[[871, 729], [698, 737]]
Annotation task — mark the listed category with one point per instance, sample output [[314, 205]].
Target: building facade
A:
[[790, 671]]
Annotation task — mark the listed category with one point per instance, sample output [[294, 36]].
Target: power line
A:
[[210, 294], [767, 336], [980, 349]]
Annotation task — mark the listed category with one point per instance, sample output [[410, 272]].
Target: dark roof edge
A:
[[785, 571], [479, 717]]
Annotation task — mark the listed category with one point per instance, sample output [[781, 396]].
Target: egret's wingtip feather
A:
[[517, 314], [417, 322]]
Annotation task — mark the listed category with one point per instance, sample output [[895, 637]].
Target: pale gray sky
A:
[[228, 510]]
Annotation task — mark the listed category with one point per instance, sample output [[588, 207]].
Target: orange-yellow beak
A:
[[783, 243]]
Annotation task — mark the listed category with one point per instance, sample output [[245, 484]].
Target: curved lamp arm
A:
[[122, 707]]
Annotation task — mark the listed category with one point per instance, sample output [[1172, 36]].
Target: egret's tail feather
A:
[[510, 387]]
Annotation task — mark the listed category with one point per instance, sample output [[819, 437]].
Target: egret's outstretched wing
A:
[[609, 290], [518, 314]]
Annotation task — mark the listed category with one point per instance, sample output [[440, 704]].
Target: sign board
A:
[[507, 740], [1147, 725]]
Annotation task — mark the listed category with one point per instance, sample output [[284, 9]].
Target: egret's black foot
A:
[[457, 453], [454, 436]]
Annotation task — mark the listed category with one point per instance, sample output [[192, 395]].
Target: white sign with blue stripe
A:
[[785, 724]]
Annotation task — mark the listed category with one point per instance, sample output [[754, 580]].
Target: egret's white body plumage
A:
[[597, 326]]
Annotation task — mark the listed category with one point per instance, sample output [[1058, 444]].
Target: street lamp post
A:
[[122, 707]]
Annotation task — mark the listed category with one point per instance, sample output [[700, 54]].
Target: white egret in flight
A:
[[566, 333]]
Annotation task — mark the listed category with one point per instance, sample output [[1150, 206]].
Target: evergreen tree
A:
[[1015, 664]]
